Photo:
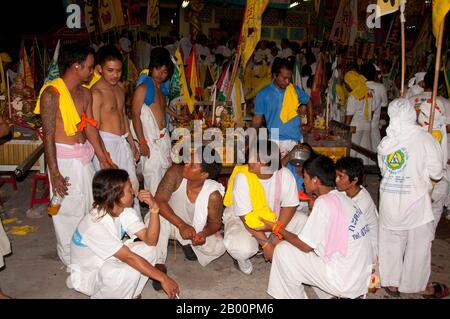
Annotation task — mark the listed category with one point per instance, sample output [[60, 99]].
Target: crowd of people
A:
[[310, 217]]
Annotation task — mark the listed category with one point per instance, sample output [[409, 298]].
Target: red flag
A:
[[320, 81]]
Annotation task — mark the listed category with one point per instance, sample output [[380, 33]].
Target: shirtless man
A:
[[190, 203], [149, 120], [108, 106], [70, 140]]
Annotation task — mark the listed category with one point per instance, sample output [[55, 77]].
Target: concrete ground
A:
[[33, 270]]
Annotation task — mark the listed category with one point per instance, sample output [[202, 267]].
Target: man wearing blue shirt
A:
[[269, 103]]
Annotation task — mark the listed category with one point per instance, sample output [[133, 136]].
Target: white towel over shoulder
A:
[[201, 204]]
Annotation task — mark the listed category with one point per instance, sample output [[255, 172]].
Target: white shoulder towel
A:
[[201, 204]]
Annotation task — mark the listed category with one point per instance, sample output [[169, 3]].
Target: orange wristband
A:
[[142, 142], [276, 228]]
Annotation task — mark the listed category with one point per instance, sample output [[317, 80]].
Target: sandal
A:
[[440, 291], [395, 294]]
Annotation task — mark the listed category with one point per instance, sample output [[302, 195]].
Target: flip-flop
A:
[[440, 291], [395, 294]]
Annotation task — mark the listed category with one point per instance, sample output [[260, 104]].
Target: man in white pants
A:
[[380, 100], [70, 140], [333, 252], [359, 112], [102, 265], [149, 120], [108, 106], [191, 210], [280, 192], [408, 158], [422, 103]]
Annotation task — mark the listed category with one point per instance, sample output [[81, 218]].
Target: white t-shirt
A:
[[94, 242], [350, 274], [380, 100], [356, 108], [405, 201], [242, 204], [367, 206]]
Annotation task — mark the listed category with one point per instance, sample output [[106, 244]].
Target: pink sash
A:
[[82, 152], [337, 237]]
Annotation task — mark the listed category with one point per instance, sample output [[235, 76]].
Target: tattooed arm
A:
[[49, 107], [214, 221], [169, 184]]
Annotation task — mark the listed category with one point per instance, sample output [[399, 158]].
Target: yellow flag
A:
[[184, 88], [110, 14], [25, 70], [153, 13], [251, 28], [440, 9], [387, 6]]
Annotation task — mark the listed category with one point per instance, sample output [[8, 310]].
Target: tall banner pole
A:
[[402, 20], [436, 75]]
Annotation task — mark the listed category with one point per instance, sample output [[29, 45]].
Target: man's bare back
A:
[[109, 107]]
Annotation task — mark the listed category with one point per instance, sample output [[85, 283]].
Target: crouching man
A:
[[191, 208], [102, 266], [261, 188], [333, 252]]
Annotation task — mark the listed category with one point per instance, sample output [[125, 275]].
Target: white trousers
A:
[[212, 249], [438, 200], [5, 245], [375, 135], [405, 257], [118, 280], [155, 167], [291, 268], [74, 206], [241, 245], [120, 152], [362, 138]]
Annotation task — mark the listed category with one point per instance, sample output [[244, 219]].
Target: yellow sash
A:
[[360, 91], [94, 80], [290, 104], [257, 197], [68, 110]]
